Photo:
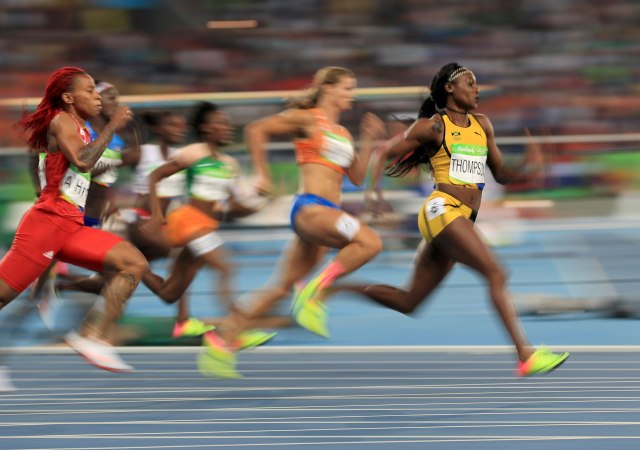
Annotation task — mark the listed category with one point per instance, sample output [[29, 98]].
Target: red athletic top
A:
[[52, 199]]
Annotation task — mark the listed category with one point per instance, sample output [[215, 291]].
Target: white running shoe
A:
[[47, 303], [6, 385], [97, 353]]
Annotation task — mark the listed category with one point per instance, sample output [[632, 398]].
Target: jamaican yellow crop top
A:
[[462, 157], [330, 146]]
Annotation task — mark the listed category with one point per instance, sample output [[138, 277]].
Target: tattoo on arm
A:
[[92, 152], [437, 127]]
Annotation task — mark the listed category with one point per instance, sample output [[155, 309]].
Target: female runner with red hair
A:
[[53, 226]]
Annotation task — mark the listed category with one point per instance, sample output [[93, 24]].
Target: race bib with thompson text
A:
[[468, 163]]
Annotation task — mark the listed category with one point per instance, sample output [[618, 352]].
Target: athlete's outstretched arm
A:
[[257, 135], [503, 173]]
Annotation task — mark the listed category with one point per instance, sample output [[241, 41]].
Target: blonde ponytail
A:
[[326, 75]]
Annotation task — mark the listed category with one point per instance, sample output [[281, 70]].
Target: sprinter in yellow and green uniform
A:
[[457, 146]]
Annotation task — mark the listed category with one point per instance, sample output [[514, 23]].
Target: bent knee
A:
[[409, 304], [170, 296], [226, 269], [7, 294], [407, 309], [137, 264], [497, 276], [370, 241], [375, 244], [125, 257]]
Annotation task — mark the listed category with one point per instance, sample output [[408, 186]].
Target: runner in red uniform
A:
[[53, 226]]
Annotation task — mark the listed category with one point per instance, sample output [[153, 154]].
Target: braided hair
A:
[[433, 104]]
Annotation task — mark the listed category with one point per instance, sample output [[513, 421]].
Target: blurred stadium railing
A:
[[578, 165]]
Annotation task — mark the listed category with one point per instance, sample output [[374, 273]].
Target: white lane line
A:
[[250, 360], [497, 396], [455, 412], [214, 386], [444, 423], [490, 401], [432, 425], [473, 366], [341, 374], [310, 407], [531, 396], [304, 378], [267, 433], [384, 440], [507, 390], [289, 366], [306, 349]]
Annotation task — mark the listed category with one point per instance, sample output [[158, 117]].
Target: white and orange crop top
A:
[[330, 146], [209, 178]]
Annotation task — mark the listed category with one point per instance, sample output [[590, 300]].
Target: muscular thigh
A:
[[438, 212], [37, 242], [88, 248], [462, 244], [325, 226]]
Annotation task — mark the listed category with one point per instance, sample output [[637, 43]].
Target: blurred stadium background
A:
[[567, 70]]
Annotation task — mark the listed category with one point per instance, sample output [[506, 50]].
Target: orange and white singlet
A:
[[330, 146]]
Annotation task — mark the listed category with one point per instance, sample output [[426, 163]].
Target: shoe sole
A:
[[552, 367], [221, 354], [322, 333], [258, 344], [106, 368], [99, 366], [192, 335], [227, 372], [547, 369]]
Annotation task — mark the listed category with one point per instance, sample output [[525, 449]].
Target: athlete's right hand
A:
[[263, 186], [372, 127], [121, 117]]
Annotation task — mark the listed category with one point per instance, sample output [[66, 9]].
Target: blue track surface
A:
[[340, 400], [373, 388]]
